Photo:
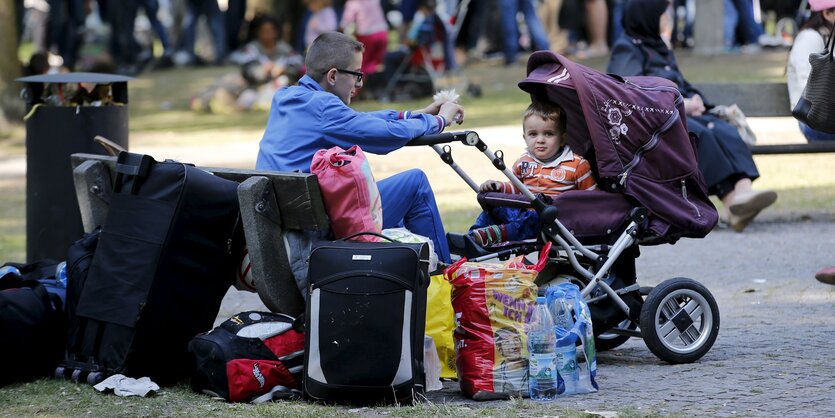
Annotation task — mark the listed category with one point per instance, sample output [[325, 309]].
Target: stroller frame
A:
[[601, 259]]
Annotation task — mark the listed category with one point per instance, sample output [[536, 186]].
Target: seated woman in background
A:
[[811, 39], [725, 161], [267, 64]]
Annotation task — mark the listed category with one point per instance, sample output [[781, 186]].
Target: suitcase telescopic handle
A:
[[376, 234], [136, 166]]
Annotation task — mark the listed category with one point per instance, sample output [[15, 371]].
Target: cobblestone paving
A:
[[774, 354]]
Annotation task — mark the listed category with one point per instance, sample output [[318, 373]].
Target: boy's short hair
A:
[[330, 50], [547, 111]]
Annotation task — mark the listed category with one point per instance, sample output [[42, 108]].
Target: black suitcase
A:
[[365, 322], [162, 265]]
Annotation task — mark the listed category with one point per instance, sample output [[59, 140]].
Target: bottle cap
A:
[[9, 270]]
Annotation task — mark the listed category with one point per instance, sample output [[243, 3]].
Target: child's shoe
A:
[[489, 234]]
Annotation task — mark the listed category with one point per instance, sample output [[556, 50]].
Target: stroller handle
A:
[[466, 137]]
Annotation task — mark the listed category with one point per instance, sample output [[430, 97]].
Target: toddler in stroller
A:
[[633, 131], [548, 166]]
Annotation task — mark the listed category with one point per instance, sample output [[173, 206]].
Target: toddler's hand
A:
[[491, 186]]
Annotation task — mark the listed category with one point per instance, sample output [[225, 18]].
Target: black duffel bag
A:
[[32, 329]]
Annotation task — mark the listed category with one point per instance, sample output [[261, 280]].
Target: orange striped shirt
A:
[[566, 172]]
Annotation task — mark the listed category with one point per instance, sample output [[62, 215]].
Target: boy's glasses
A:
[[357, 74]]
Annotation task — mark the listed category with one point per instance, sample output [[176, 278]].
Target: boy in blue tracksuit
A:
[[315, 115]]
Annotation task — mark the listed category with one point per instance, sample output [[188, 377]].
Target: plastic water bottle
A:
[[542, 362], [61, 274], [9, 270], [567, 360], [561, 311]]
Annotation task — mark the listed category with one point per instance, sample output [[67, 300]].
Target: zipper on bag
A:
[[684, 195]]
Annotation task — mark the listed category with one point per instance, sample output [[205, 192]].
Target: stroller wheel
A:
[[609, 340], [680, 320]]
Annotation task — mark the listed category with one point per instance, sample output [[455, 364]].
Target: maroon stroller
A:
[[634, 132]]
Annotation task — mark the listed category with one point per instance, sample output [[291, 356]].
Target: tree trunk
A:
[[10, 68]]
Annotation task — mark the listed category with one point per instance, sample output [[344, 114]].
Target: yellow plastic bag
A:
[[440, 322]]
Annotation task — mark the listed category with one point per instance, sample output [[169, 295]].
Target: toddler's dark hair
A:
[[547, 111]]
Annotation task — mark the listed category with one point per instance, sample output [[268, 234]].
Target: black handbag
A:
[[816, 107]]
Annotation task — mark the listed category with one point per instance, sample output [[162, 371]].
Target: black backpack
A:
[[32, 329], [79, 257]]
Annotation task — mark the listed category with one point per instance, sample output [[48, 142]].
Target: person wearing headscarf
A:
[[724, 159]]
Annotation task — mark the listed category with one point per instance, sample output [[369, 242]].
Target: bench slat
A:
[[808, 148], [755, 99]]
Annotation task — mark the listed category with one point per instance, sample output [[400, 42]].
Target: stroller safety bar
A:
[[465, 137], [555, 229]]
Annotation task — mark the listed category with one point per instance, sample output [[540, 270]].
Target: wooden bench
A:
[[271, 204], [762, 100]]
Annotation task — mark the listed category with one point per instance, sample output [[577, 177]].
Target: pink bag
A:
[[349, 192]]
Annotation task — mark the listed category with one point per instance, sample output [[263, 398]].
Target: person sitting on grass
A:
[[267, 63], [548, 166]]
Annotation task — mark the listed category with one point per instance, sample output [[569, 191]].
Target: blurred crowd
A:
[[129, 35], [412, 40]]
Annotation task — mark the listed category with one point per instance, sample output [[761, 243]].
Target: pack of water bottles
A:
[[559, 321], [576, 363]]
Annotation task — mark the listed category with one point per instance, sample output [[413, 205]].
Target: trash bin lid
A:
[[97, 78]]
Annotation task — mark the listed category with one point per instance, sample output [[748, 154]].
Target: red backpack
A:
[[249, 355]]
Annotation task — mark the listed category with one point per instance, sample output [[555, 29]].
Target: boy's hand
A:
[[491, 186], [452, 112], [434, 108]]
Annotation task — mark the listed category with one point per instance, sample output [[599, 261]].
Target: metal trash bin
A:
[[56, 127]]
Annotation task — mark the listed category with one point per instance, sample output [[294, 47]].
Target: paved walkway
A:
[[774, 354]]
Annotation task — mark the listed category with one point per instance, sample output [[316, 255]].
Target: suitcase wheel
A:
[[75, 375], [59, 373], [94, 378]]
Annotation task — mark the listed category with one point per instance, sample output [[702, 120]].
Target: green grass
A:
[[56, 398], [12, 219]]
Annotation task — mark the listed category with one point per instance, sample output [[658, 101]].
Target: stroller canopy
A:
[[635, 131]]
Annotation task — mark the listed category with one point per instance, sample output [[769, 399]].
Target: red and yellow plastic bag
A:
[[492, 303]]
